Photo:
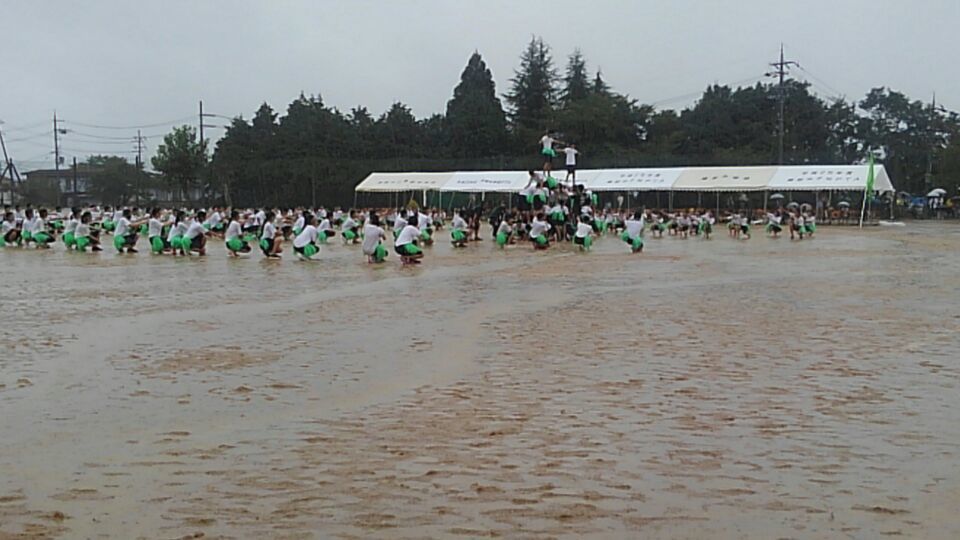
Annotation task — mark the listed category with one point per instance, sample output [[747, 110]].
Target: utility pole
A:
[[56, 145], [139, 165], [8, 167], [928, 175], [202, 125], [781, 71]]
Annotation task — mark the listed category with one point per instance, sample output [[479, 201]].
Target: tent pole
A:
[[718, 204], [765, 196], [670, 201]]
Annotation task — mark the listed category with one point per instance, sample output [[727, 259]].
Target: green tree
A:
[[115, 180], [181, 159], [475, 122], [533, 92], [576, 85], [599, 85]]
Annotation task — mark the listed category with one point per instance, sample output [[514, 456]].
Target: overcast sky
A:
[[130, 63]]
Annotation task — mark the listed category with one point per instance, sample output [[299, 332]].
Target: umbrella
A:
[[806, 207], [776, 196], [843, 204], [939, 192], [793, 205]]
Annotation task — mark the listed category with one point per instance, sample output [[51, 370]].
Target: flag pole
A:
[[863, 207], [867, 189]]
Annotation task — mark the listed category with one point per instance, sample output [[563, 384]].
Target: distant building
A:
[[71, 185]]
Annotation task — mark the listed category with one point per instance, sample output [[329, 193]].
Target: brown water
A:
[[721, 389]]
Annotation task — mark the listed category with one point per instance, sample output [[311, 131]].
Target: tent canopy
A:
[[398, 182], [823, 177], [766, 178], [724, 179]]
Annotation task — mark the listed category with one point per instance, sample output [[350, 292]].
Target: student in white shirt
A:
[[270, 243], [458, 233], [125, 232], [195, 239], [305, 244], [9, 232], [300, 222], [70, 229], [399, 222], [504, 231], [811, 224], [425, 225], [571, 163], [774, 224], [325, 231], [373, 236], [233, 237], [633, 232], [547, 151], [27, 226], [706, 224], [42, 237], [406, 243], [350, 229], [214, 223], [175, 237], [584, 235], [526, 195], [158, 244], [83, 236], [538, 232]]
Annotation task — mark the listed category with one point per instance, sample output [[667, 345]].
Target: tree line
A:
[[316, 154]]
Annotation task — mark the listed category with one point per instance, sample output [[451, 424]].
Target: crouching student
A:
[[633, 232], [406, 243], [458, 233], [233, 237], [373, 236], [584, 235], [538, 232], [305, 244]]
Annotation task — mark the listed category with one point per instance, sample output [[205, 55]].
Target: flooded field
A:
[[703, 389]]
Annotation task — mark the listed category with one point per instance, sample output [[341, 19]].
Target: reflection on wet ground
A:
[[717, 389]]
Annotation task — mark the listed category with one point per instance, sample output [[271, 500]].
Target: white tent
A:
[[397, 182], [826, 177], [724, 179], [709, 179], [630, 179], [487, 181]]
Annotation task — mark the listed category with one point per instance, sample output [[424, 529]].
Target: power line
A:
[[142, 126], [31, 137], [700, 92]]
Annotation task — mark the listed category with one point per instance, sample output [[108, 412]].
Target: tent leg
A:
[[766, 195], [718, 204], [424, 198], [670, 201]]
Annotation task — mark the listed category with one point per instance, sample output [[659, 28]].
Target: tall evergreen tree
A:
[[599, 85], [475, 121], [533, 90], [576, 84]]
